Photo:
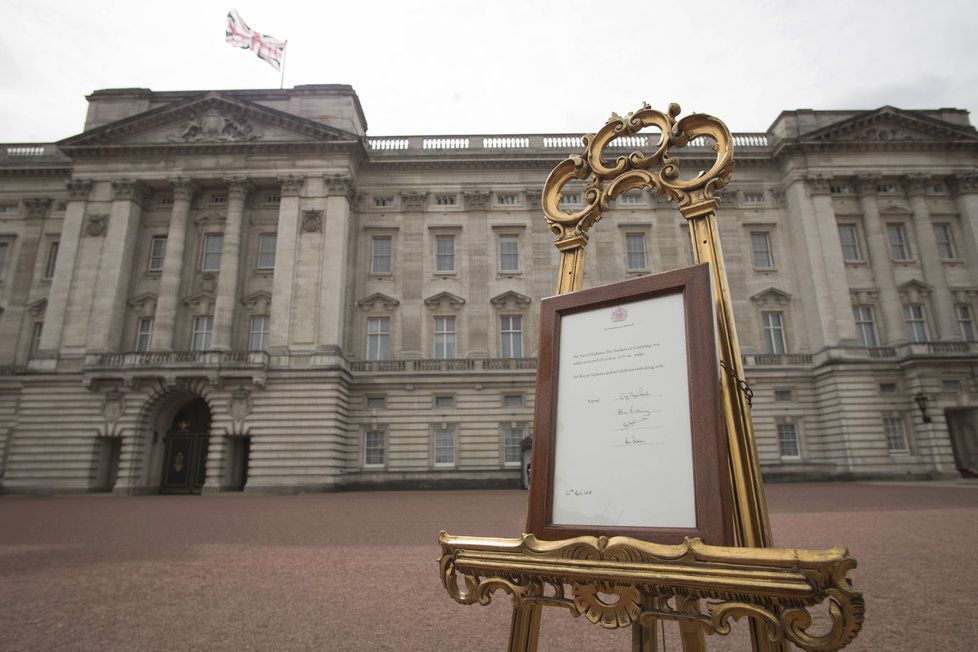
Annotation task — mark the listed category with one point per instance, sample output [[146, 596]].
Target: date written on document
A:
[[578, 492]]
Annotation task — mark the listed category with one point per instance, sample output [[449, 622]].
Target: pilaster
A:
[[411, 310], [335, 274], [115, 266], [64, 267], [481, 246], [286, 242], [894, 329], [16, 332], [964, 186], [227, 281], [916, 187], [176, 238]]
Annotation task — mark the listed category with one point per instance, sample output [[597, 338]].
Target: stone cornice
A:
[[156, 150]]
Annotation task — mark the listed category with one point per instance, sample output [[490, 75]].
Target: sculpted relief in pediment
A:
[[886, 133], [213, 127]]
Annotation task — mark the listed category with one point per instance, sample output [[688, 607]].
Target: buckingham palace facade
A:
[[241, 290]]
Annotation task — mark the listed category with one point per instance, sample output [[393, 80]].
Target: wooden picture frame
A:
[[628, 438]]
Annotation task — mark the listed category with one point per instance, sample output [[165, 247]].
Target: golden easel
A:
[[701, 587]]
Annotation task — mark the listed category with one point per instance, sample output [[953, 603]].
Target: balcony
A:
[[170, 364], [777, 359], [452, 365]]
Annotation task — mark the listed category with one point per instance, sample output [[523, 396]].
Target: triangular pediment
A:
[[914, 285], [260, 300], [510, 298], [38, 307], [771, 297], [147, 298], [378, 299], [212, 118], [895, 209], [446, 299], [891, 125]]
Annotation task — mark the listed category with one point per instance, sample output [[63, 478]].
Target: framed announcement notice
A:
[[627, 432]]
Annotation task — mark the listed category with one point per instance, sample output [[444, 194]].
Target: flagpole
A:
[[281, 81]]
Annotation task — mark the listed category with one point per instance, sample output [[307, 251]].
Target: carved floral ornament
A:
[[413, 200], [338, 184], [37, 206], [291, 185], [78, 188], [637, 170]]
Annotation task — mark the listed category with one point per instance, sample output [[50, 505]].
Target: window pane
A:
[[865, 325], [4, 247], [788, 440], [513, 400], [258, 341], [378, 338], [213, 242], [36, 336], [144, 334], [203, 328], [444, 401], [444, 337], [512, 453], [445, 253], [445, 447], [511, 336], [966, 322], [896, 436], [509, 253], [157, 252], [773, 332], [850, 242], [898, 242], [635, 251], [373, 448], [945, 245], [913, 315], [266, 250], [761, 248], [376, 402], [381, 256]]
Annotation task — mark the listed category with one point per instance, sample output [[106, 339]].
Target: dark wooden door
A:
[[185, 456]]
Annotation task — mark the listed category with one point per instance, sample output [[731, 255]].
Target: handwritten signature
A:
[[631, 396], [578, 492]]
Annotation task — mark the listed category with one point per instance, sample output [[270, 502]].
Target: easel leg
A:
[[524, 631], [643, 632]]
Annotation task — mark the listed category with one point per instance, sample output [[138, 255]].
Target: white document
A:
[[623, 447]]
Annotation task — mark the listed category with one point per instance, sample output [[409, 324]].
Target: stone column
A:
[[115, 267], [333, 292], [481, 246], [916, 187], [410, 265], [283, 277], [15, 334], [894, 329], [964, 186], [169, 290], [64, 267], [227, 281], [824, 299]]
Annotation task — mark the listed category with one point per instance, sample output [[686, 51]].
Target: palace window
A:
[[445, 254], [753, 197], [966, 322], [951, 386], [849, 237], [36, 337], [897, 237], [374, 445], [202, 332], [886, 188], [378, 338], [380, 258], [760, 244], [511, 336], [157, 252], [508, 200], [788, 441], [444, 402], [913, 316], [896, 434], [4, 248], [445, 200], [444, 337], [888, 389], [51, 261], [512, 452], [635, 251], [773, 321], [445, 446], [782, 395], [383, 202], [376, 402], [630, 198], [509, 253], [945, 241], [144, 334], [266, 250], [840, 189], [213, 242], [8, 209], [865, 325], [258, 337], [513, 400]]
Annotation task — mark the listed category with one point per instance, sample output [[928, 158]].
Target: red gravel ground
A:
[[357, 571]]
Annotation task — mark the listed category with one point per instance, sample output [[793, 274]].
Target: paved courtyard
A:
[[357, 571]]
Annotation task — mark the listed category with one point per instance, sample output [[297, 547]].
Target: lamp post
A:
[[921, 400]]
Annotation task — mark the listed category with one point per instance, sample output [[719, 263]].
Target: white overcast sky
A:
[[462, 67]]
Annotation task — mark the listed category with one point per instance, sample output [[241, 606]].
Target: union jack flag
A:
[[266, 47]]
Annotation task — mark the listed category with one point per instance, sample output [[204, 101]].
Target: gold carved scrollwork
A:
[[620, 581], [658, 172]]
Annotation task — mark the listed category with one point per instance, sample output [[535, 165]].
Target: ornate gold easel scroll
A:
[[773, 587]]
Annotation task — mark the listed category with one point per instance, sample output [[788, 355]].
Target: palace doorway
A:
[[185, 450], [962, 425]]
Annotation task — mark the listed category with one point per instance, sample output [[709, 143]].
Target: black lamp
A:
[[921, 399]]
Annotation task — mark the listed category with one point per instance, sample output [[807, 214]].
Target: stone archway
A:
[[184, 459]]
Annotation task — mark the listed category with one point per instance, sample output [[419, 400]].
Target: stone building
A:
[[241, 290]]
